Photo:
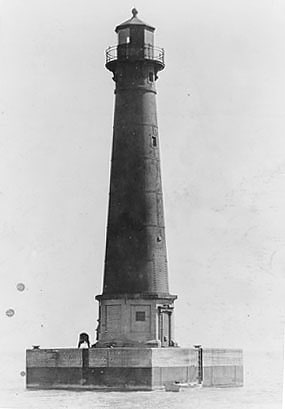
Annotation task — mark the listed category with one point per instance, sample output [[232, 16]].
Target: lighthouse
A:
[[135, 308], [135, 347]]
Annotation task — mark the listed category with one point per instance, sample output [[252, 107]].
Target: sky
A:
[[221, 119]]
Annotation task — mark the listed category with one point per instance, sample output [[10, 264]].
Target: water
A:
[[204, 398]]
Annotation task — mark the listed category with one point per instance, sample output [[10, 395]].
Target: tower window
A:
[[154, 141], [148, 37], [140, 315], [150, 76], [124, 36]]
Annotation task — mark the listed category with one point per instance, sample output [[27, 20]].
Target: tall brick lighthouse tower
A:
[[135, 347], [136, 308]]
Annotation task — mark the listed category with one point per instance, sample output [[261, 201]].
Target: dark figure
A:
[[83, 337]]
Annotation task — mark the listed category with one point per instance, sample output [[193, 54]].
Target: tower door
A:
[[164, 328]]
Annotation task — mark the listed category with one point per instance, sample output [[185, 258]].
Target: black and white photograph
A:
[[142, 204]]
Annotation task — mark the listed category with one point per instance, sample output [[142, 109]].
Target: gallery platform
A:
[[132, 368]]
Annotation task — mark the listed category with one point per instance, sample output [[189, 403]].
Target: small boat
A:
[[176, 386]]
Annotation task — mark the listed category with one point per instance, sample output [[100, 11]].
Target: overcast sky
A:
[[221, 102]]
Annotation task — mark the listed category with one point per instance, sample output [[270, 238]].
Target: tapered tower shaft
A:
[[136, 250]]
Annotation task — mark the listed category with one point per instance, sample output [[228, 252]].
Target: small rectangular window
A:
[[124, 36], [148, 37], [140, 315], [150, 75], [154, 141]]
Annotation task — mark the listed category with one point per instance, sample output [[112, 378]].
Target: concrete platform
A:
[[222, 367], [129, 368]]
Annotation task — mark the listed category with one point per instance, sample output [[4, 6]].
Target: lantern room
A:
[[135, 43], [135, 32]]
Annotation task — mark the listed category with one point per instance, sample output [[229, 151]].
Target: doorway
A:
[[165, 327]]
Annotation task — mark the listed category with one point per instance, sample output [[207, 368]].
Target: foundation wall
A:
[[222, 367], [130, 368]]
